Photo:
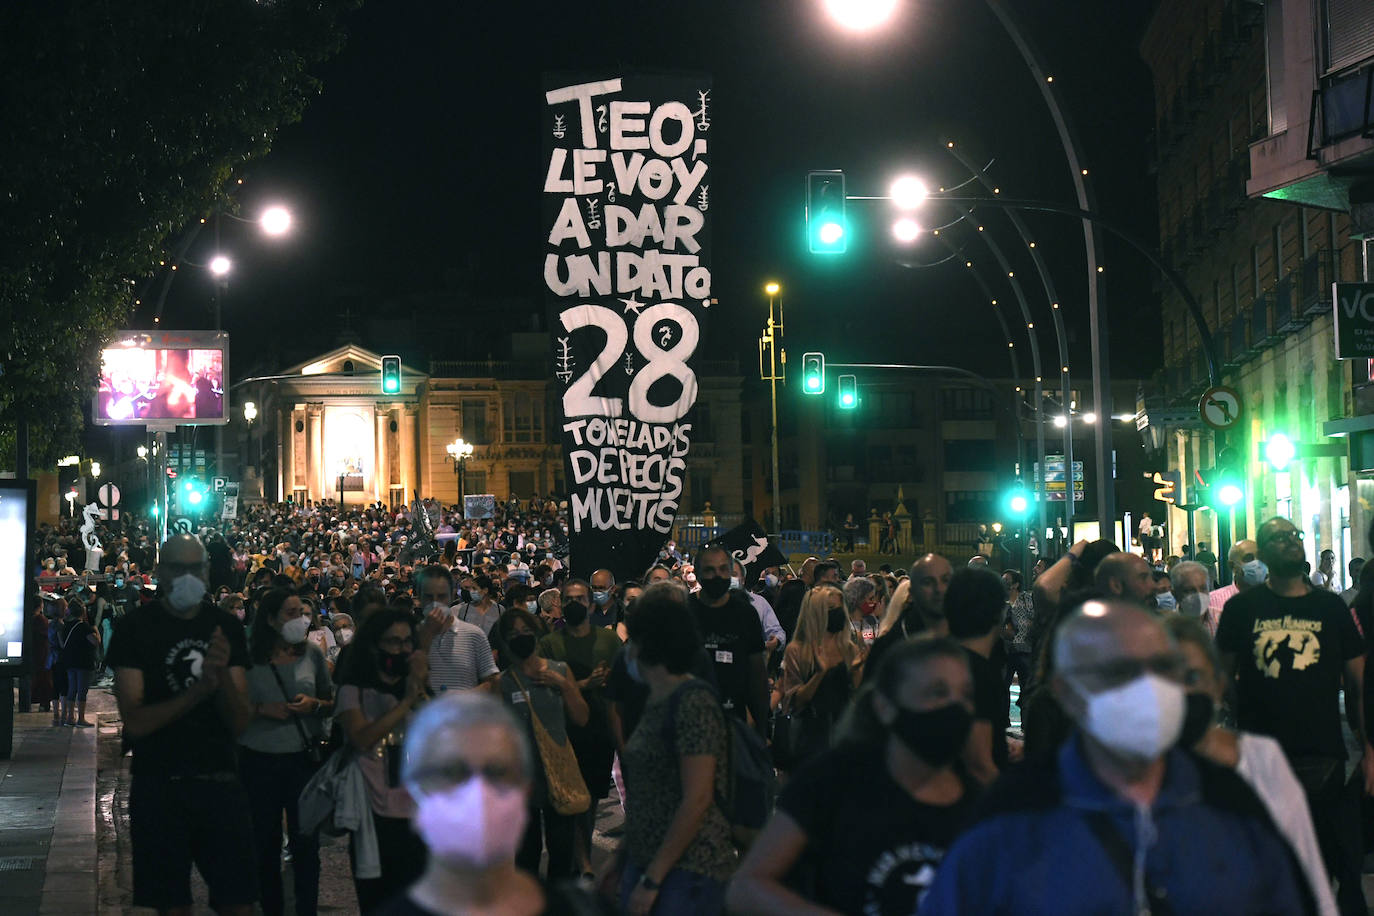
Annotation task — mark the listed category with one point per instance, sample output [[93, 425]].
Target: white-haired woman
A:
[[469, 767]]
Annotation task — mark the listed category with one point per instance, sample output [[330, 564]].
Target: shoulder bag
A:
[[317, 750], [567, 790]]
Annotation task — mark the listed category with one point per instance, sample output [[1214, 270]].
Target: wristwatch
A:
[[648, 883]]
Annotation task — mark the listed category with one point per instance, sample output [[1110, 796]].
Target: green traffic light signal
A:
[[1279, 451], [825, 220], [813, 373], [391, 375], [1017, 503], [849, 392], [1230, 493]]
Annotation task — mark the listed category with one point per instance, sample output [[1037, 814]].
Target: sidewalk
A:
[[47, 815]]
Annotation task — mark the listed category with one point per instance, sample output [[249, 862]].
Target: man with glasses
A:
[[180, 680], [1290, 648], [1120, 820]]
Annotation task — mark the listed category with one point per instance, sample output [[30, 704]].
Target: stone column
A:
[[381, 478], [314, 452], [410, 470]]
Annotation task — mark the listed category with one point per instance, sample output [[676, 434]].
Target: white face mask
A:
[[345, 636], [294, 630], [474, 825], [1141, 719], [1194, 605], [186, 592]]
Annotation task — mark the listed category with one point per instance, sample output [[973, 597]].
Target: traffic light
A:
[[1228, 486], [1279, 451], [849, 392], [391, 375], [826, 229], [193, 491], [1017, 502], [813, 373]]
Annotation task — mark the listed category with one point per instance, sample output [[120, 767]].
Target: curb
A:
[[69, 875]]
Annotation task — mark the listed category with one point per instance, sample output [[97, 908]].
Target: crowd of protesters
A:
[[463, 706]]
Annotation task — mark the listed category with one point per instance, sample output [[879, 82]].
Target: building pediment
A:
[[349, 357]]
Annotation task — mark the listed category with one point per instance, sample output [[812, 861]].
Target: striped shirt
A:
[[460, 658]]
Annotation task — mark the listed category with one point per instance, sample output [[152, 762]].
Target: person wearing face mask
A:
[[733, 639], [1258, 759], [821, 667], [679, 852], [382, 680], [862, 603], [870, 820], [588, 651], [1247, 571], [477, 604], [459, 652], [605, 609], [471, 769], [536, 688], [292, 694], [774, 637], [180, 680], [1290, 648], [1119, 820], [1189, 590]]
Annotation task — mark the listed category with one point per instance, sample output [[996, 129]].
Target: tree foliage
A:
[[120, 123]]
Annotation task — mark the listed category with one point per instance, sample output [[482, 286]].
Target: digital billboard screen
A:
[[164, 378], [16, 526]]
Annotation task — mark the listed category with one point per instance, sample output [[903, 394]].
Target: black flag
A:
[[748, 543]]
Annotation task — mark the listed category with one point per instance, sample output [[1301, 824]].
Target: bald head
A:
[[182, 550], [929, 579], [1243, 552], [1101, 632], [1126, 576]]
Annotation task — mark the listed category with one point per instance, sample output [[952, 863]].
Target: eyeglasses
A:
[[432, 780], [1291, 534], [1119, 671]]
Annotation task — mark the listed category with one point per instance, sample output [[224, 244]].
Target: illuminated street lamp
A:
[[250, 411], [908, 192], [95, 468], [459, 452], [220, 265], [905, 230], [860, 15], [275, 220], [143, 453]]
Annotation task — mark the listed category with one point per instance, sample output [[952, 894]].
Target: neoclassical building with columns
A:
[[324, 429]]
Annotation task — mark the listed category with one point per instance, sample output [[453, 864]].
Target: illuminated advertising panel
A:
[[164, 377]]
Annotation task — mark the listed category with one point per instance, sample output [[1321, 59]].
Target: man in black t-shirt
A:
[[924, 611], [1290, 648], [732, 637], [180, 681]]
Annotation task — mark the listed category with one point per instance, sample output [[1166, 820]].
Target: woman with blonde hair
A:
[[821, 667]]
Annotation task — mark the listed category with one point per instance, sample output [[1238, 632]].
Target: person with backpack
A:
[[868, 821], [678, 846]]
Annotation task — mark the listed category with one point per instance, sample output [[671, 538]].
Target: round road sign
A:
[[1220, 407]]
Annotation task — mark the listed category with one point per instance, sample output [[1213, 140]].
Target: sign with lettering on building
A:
[[627, 275], [1354, 310]]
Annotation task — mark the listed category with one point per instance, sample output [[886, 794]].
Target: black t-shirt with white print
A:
[[170, 651], [1290, 657]]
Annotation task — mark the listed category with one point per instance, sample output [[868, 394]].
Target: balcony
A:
[[1238, 350], [1285, 319]]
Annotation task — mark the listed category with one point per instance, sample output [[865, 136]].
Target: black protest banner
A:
[[627, 270], [748, 543]]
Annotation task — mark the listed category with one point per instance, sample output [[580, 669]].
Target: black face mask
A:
[[937, 736], [715, 587], [575, 613], [835, 620], [521, 645], [1199, 711], [464, 596], [394, 664]]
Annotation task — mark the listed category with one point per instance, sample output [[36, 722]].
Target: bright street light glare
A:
[[276, 220], [860, 15], [908, 192], [1089, 418], [220, 265], [905, 230], [830, 233], [771, 289], [1230, 494], [195, 498], [1061, 421]]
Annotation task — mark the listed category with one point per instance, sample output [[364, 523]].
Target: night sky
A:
[[415, 177]]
